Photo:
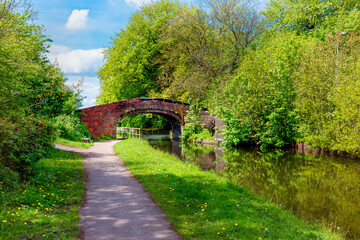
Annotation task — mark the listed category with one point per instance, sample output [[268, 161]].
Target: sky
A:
[[80, 31]]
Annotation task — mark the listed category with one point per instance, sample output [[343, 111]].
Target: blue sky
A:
[[80, 30]]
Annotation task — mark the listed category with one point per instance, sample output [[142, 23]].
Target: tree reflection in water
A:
[[315, 188]]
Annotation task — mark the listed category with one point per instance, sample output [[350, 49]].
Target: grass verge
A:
[[69, 143], [46, 206], [203, 205]]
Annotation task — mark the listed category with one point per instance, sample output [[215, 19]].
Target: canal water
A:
[[315, 188]]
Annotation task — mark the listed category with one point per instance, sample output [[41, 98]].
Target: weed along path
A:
[[115, 204]]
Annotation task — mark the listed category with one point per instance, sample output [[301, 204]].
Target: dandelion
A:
[[4, 221], [236, 224]]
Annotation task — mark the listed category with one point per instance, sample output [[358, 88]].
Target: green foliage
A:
[[9, 179], [69, 143], [29, 82], [193, 129], [202, 205], [257, 104], [130, 70], [32, 90], [70, 127], [145, 120], [205, 134], [202, 47], [304, 16], [328, 94], [105, 138], [46, 206], [23, 142]]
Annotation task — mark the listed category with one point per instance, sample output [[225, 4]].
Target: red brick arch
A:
[[102, 119]]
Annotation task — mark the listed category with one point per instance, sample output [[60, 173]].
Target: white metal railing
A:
[[128, 132]]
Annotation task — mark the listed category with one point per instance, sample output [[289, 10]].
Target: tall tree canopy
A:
[[306, 15], [130, 69], [177, 51], [28, 81], [203, 46]]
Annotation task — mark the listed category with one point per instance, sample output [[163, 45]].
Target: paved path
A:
[[115, 205]]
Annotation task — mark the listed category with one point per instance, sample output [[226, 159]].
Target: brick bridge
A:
[[103, 119]]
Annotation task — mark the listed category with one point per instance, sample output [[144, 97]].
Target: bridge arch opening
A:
[[173, 120], [147, 122]]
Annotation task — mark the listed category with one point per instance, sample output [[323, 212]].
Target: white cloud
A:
[[78, 19], [90, 88], [77, 61], [136, 3]]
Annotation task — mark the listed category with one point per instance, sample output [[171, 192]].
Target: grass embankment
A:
[[45, 207], [203, 205], [70, 143]]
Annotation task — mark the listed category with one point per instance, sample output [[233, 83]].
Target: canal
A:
[[318, 189]]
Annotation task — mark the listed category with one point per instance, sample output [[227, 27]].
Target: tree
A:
[[328, 93], [238, 22], [28, 81], [258, 102], [32, 90], [203, 46], [130, 70], [191, 57], [304, 16]]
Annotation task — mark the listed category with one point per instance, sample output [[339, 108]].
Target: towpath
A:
[[116, 206]]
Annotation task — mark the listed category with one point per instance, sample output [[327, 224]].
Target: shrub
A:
[[193, 130], [193, 125], [23, 142], [70, 127]]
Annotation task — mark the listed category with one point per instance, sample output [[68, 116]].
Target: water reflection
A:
[[315, 188], [206, 157]]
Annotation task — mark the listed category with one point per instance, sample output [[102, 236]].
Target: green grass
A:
[[105, 138], [69, 143], [203, 205], [46, 206]]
